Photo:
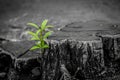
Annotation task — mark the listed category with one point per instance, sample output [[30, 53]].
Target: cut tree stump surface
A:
[[80, 50], [82, 31]]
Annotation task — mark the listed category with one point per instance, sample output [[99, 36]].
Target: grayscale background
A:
[[17, 13]]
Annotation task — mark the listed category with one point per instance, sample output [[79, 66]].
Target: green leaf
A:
[[35, 47], [42, 43], [33, 34], [43, 25], [45, 46], [38, 44], [33, 24], [38, 31], [49, 26], [47, 34], [33, 38]]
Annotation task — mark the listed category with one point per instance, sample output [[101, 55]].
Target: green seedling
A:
[[40, 35]]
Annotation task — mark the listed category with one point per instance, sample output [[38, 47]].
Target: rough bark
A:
[[66, 60]]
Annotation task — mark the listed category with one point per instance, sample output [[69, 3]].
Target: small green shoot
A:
[[40, 35]]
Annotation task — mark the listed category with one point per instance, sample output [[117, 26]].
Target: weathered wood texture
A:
[[66, 60]]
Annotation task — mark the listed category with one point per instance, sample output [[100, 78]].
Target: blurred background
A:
[[15, 14]]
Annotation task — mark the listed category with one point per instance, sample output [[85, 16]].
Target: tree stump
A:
[[66, 60]]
